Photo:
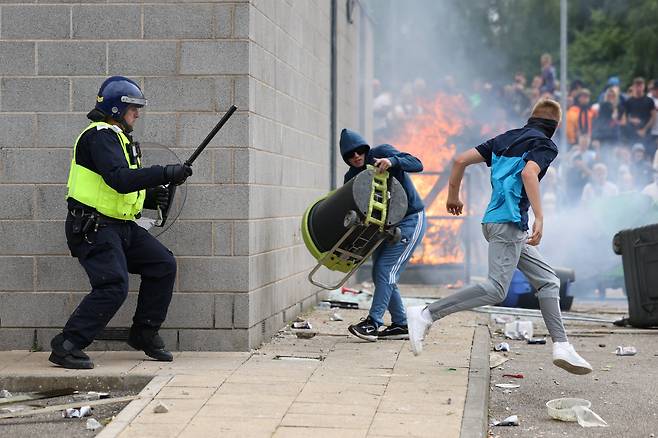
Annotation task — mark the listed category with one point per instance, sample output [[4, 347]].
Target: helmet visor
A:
[[134, 100]]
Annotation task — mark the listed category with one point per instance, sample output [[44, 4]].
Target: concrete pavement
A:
[[332, 385]]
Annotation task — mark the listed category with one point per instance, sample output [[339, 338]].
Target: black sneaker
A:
[[150, 342], [366, 329], [65, 354], [395, 332]]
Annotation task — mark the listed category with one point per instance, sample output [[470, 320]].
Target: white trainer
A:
[[565, 357], [418, 326]]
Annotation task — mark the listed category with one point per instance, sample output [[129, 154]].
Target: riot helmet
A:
[[115, 94]]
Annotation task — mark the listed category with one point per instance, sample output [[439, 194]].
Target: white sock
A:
[[427, 316]]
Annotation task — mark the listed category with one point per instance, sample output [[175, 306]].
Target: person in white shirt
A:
[[599, 186]]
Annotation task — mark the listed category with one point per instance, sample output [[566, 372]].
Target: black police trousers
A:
[[108, 253]]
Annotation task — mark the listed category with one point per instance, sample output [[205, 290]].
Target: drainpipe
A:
[[333, 91]]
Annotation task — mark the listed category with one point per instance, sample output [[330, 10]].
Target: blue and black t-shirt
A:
[[507, 155]]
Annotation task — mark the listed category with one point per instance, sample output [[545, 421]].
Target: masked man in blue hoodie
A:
[[518, 159], [389, 260]]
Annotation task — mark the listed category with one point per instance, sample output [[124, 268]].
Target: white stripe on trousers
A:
[[405, 254]]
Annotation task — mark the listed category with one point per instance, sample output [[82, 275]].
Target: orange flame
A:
[[427, 136]]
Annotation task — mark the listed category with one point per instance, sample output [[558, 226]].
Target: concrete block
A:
[[50, 201], [262, 64], [17, 273], [142, 58], [35, 22], [223, 238], [223, 171], [154, 129], [186, 238], [16, 201], [71, 59], [214, 340], [100, 22], [61, 273], [18, 130], [45, 238], [29, 94], [59, 130], [193, 128], [84, 92], [214, 57], [216, 202], [215, 274], [254, 237], [224, 310], [241, 20], [16, 339], [270, 201], [259, 304], [263, 30], [265, 134], [188, 310], [178, 21], [34, 165], [271, 266], [224, 93], [180, 94], [17, 58], [241, 165], [242, 95], [27, 309], [223, 21]]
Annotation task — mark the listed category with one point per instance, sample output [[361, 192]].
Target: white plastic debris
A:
[[512, 420], [93, 424], [503, 346], [5, 394], [84, 411], [587, 418], [336, 317], [507, 385], [519, 330], [625, 351], [160, 408]]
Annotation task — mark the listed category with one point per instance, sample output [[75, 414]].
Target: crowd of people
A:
[[612, 132]]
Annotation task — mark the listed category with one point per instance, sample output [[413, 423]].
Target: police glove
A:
[[157, 197], [177, 173]]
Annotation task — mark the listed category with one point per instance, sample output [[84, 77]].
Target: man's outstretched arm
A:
[[454, 205], [530, 177]]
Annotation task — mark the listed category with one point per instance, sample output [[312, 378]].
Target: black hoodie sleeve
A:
[[104, 155], [399, 160]]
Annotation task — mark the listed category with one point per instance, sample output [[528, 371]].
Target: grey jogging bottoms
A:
[[507, 251]]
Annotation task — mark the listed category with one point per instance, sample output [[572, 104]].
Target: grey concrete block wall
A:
[[242, 264]]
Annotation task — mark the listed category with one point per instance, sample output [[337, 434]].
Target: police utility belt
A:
[[86, 221]]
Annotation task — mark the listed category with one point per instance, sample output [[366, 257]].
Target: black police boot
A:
[[67, 355], [150, 342]]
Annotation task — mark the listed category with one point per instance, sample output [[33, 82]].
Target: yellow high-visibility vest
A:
[[89, 188]]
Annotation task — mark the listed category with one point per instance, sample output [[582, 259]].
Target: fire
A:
[[428, 137]]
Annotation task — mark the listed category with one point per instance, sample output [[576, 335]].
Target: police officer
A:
[[107, 189]]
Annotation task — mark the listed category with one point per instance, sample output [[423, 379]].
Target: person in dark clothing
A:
[[547, 74], [640, 116], [107, 189], [518, 159], [390, 259]]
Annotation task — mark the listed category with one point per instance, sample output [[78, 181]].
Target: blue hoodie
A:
[[401, 163], [507, 155]]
